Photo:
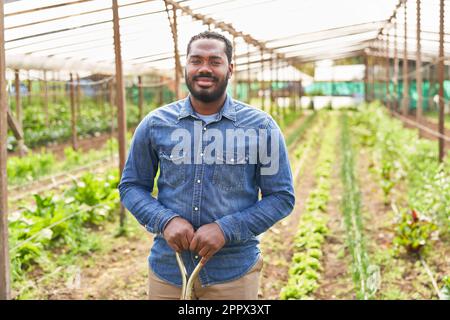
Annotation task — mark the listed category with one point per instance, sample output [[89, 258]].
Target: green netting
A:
[[348, 88], [430, 89]]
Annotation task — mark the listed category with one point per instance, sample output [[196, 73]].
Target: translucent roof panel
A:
[[78, 34], [429, 34]]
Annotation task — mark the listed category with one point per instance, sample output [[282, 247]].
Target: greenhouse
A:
[[359, 91]]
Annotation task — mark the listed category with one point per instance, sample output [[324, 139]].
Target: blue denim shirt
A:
[[202, 191]]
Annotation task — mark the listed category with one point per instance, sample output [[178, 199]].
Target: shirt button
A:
[[198, 181], [196, 257], [201, 154], [195, 208], [232, 160], [204, 129]]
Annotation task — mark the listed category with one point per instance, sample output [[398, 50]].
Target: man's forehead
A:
[[207, 47]]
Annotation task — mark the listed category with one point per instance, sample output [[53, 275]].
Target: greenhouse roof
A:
[[78, 34]]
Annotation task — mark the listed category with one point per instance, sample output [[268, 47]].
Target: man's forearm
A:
[[245, 224], [146, 209]]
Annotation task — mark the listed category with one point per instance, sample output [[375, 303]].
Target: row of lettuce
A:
[[411, 178], [312, 227], [43, 129], [37, 165]]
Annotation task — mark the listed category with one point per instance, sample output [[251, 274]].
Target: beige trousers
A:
[[244, 288]]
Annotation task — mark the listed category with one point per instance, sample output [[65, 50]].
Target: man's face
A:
[[207, 70]]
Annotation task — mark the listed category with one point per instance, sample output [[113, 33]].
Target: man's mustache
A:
[[209, 76]]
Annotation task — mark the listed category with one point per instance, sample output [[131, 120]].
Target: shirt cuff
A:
[[233, 229], [160, 221]]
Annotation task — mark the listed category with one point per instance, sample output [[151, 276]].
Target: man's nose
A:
[[205, 68]]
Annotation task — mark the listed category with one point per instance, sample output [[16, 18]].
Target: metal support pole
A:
[[405, 106], [277, 83], [5, 289], [78, 95], [395, 93], [19, 114], [249, 86], [112, 105], [47, 117], [235, 75], [419, 84], [388, 75], [174, 29], [29, 87], [161, 91], [441, 80], [262, 81], [271, 107], [141, 98], [120, 98], [73, 111], [366, 78], [372, 78]]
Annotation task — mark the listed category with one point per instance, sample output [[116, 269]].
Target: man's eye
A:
[[195, 61], [215, 63]]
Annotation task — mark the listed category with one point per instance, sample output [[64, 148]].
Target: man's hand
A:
[[208, 239], [178, 234]]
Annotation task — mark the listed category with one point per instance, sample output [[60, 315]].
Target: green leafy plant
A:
[[61, 222], [413, 231], [445, 291]]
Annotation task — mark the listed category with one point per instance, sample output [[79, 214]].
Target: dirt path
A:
[[336, 279], [276, 244], [118, 271]]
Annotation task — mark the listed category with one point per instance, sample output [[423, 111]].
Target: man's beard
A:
[[203, 94]]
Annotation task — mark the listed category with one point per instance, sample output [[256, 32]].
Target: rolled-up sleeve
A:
[[278, 198], [136, 184]]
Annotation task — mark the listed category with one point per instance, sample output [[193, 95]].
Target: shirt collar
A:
[[228, 109]]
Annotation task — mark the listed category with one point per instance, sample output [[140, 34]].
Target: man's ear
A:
[[230, 70]]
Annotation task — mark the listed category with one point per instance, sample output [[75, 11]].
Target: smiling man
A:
[[215, 156]]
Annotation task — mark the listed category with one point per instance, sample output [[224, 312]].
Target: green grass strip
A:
[[351, 206]]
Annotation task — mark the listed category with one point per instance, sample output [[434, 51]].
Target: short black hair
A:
[[217, 36]]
